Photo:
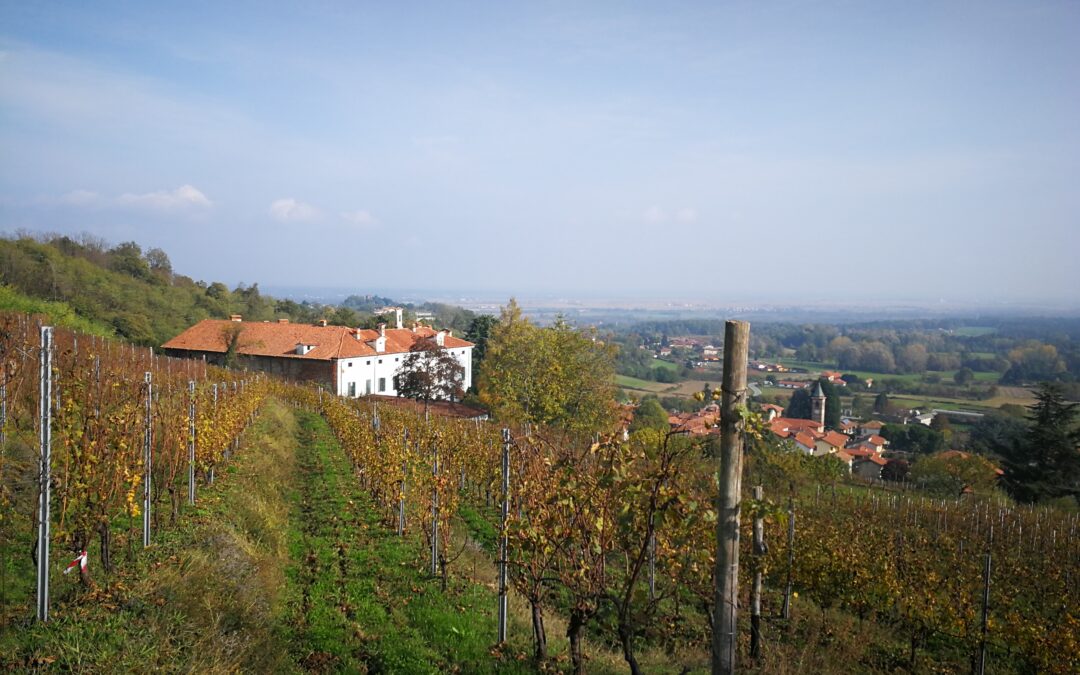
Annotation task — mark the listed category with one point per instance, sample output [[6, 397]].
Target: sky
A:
[[781, 151]]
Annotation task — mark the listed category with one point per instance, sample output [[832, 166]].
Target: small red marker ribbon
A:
[[79, 562]]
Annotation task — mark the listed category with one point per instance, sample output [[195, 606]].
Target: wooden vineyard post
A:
[[148, 458], [755, 591], [504, 543], [733, 402], [45, 472]]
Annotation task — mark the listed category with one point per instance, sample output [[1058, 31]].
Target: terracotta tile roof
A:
[[804, 438], [280, 339], [861, 452], [843, 456], [835, 439], [877, 440]]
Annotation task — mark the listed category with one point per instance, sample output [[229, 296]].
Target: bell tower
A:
[[817, 405]]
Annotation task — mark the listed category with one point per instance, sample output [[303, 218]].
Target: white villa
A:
[[349, 361]]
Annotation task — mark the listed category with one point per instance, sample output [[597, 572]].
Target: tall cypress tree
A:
[[1045, 464]]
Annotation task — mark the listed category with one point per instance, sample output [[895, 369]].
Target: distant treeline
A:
[[1022, 351]]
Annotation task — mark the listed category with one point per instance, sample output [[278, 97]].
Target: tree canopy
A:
[[555, 376], [431, 373]]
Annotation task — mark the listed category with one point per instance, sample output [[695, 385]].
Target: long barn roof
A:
[[280, 339]]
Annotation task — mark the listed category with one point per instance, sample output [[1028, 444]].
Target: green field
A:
[[627, 382], [912, 378], [974, 331]]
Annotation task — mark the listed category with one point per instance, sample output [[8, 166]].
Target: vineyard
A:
[[614, 537], [124, 454], [619, 537]]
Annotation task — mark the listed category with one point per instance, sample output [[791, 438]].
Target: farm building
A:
[[347, 361]]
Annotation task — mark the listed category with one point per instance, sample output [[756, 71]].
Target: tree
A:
[[430, 373], [947, 474], [649, 415], [895, 470], [916, 438], [881, 403], [800, 406], [555, 376], [478, 333], [1045, 464], [964, 376], [996, 432], [940, 424]]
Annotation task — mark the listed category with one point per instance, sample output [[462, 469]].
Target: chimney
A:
[[235, 317], [322, 322], [440, 338], [397, 315], [415, 325], [382, 330]]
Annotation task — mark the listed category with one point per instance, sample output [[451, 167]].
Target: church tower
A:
[[817, 405]]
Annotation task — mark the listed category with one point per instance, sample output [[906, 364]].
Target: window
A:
[[367, 387], [350, 364], [380, 360], [396, 359], [352, 388], [368, 362], [382, 384]]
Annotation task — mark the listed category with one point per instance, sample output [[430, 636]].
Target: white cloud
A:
[[362, 219], [182, 197], [686, 214], [291, 210]]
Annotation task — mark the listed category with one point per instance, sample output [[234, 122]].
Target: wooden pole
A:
[[733, 402]]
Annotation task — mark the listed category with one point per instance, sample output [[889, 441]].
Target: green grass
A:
[[628, 382], [974, 331], [201, 598], [666, 365], [357, 593]]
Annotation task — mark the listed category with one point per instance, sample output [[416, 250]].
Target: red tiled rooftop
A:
[[280, 339]]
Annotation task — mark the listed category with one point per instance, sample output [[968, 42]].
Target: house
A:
[[867, 466], [348, 361], [771, 411], [834, 377], [830, 442], [918, 417], [786, 427], [793, 384], [871, 427], [696, 424]]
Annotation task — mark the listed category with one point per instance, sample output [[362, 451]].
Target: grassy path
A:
[[357, 601]]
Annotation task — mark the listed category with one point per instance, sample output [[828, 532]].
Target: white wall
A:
[[366, 371]]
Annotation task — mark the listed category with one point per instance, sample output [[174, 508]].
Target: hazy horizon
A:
[[816, 152]]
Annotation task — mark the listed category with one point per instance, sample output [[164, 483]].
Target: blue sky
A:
[[782, 151]]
